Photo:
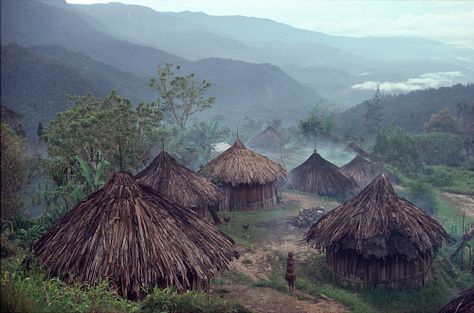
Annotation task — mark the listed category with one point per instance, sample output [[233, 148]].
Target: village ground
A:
[[256, 279]]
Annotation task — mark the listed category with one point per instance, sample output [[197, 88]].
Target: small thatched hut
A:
[[268, 139], [361, 170], [130, 235], [247, 178], [319, 176], [463, 303], [378, 239], [355, 148], [364, 171], [181, 185]]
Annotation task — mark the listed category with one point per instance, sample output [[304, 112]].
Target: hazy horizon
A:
[[451, 22]]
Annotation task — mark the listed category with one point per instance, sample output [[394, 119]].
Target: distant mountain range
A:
[[329, 64], [241, 88], [258, 67]]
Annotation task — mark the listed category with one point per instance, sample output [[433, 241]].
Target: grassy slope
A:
[[314, 277]]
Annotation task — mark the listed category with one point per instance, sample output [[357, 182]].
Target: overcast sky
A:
[[447, 21]]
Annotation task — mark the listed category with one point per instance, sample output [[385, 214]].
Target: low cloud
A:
[[428, 80], [450, 27]]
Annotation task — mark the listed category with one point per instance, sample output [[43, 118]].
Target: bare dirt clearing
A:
[[308, 201], [267, 300]]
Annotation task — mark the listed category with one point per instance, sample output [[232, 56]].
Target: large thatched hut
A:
[[378, 239], [247, 178], [355, 148], [319, 176], [268, 139], [181, 185], [463, 303], [130, 235]]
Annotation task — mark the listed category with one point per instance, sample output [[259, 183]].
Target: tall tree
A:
[[317, 124], [373, 115], [442, 121], [395, 147], [98, 130], [39, 130], [467, 127], [180, 96]]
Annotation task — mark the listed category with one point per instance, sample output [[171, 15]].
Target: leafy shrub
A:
[[437, 176], [439, 148], [422, 195]]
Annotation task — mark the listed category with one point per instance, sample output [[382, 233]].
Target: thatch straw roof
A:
[[179, 184], [353, 147], [269, 138], [239, 165], [319, 176], [364, 171], [377, 223], [130, 235], [463, 303], [361, 170]]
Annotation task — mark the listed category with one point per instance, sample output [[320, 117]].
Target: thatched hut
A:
[[355, 148], [361, 170], [181, 185], [364, 171], [247, 178], [130, 235], [319, 176], [463, 303], [268, 139], [378, 239]]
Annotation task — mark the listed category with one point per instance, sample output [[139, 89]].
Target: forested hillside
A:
[[409, 111], [36, 80], [32, 22]]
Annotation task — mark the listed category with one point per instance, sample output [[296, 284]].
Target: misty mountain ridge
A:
[[234, 82], [196, 35]]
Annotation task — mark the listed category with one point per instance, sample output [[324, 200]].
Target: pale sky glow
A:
[[447, 21]]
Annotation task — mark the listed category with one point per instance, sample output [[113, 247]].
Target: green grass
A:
[[32, 290], [258, 221], [458, 179], [313, 286]]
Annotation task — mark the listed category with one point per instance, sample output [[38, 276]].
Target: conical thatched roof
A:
[[239, 165], [361, 170], [377, 223], [463, 303], [179, 184], [129, 234], [269, 138], [353, 147], [319, 176], [364, 171]]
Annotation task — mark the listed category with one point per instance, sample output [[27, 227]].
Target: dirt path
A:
[[267, 300], [464, 202], [255, 264], [303, 201]]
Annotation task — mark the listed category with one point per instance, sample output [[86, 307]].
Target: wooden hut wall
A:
[[351, 269], [249, 197]]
